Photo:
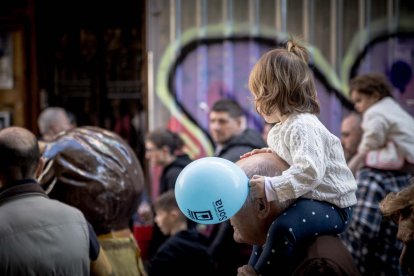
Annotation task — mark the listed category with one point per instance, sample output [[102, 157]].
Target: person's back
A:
[[38, 236], [185, 251]]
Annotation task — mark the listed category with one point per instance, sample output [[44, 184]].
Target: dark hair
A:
[[166, 201], [232, 107], [369, 84], [164, 137]]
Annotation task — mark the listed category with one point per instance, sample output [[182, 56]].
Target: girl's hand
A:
[[256, 151], [257, 186]]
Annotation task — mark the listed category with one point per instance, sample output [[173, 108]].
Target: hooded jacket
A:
[[248, 140]]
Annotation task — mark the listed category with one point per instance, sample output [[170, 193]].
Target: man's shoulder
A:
[[248, 140]]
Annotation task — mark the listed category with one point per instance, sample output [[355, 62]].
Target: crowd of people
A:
[[317, 204]]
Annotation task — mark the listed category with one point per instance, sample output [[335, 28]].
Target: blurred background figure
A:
[[371, 240], [185, 251], [400, 208], [387, 141], [51, 122], [163, 149], [351, 133]]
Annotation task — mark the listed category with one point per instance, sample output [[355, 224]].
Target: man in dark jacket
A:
[[232, 138], [229, 132], [39, 236]]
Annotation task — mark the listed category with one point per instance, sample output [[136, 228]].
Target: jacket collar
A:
[[21, 187]]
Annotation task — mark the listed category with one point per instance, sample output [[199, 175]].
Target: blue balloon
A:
[[210, 190]]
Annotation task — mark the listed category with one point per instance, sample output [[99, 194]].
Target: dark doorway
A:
[[91, 61]]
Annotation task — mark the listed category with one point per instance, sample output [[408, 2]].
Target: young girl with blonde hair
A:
[[283, 88]]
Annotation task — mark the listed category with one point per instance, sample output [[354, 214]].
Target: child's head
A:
[[162, 145], [282, 82], [168, 216], [366, 90]]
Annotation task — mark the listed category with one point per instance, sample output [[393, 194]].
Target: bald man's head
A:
[[253, 220], [19, 153], [267, 164]]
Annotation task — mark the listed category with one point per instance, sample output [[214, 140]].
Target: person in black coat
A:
[[163, 148]]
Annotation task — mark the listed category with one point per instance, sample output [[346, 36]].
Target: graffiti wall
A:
[[198, 59]]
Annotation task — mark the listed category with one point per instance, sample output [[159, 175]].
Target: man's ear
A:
[[175, 213], [40, 167], [262, 207]]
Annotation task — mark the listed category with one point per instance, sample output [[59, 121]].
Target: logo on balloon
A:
[[204, 215]]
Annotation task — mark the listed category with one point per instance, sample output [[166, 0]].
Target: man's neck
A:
[[169, 160], [178, 228]]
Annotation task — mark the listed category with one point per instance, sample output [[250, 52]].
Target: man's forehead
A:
[[220, 115]]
